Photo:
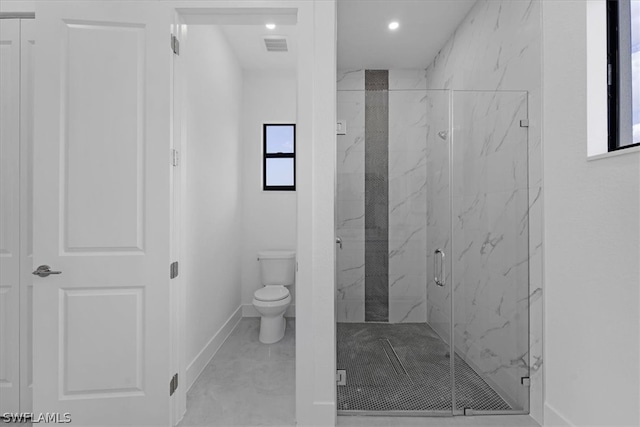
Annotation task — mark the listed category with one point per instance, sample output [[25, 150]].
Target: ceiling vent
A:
[[276, 44]]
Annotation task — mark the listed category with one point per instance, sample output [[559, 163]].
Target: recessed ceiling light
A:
[[271, 26], [393, 25]]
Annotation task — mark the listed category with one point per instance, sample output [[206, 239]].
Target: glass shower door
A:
[[438, 370], [490, 252], [390, 360]]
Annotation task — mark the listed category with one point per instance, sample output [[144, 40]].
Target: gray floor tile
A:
[[247, 383]]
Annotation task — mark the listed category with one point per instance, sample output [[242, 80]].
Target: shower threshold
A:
[[403, 369]]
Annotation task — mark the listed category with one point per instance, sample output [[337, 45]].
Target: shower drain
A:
[[393, 357]]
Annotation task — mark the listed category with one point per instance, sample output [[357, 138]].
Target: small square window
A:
[[279, 157], [623, 57]]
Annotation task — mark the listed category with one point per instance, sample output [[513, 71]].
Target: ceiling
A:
[[364, 40], [247, 41]]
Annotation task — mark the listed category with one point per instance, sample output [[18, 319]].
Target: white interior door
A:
[[101, 212], [9, 215], [27, 60]]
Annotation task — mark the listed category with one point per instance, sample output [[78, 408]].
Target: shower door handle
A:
[[438, 277]]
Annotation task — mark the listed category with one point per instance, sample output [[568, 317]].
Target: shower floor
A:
[[405, 367]]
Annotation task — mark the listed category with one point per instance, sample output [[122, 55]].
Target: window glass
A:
[[279, 157], [635, 69], [280, 139], [279, 172], [623, 73]]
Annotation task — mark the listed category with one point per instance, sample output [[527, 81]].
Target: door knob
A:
[[44, 271]]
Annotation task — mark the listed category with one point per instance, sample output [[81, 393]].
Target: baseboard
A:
[[248, 310], [317, 414], [553, 418], [197, 365]]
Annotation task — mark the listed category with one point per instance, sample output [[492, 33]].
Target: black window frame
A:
[[266, 155], [614, 80]]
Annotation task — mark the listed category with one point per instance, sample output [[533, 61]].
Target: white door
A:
[[101, 212], [9, 215], [27, 58]]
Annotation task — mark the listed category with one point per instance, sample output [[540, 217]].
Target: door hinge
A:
[[173, 384], [173, 270], [525, 381], [524, 123], [341, 377], [175, 157], [175, 45]]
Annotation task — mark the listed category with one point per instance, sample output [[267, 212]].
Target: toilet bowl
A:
[[271, 301]]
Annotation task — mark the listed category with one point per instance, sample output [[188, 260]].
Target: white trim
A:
[[18, 6], [317, 414], [197, 365], [619, 152], [248, 310], [596, 39], [553, 418]]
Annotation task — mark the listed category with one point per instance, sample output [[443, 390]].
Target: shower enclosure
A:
[[432, 266]]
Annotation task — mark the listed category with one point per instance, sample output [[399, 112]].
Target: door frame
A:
[[25, 22], [315, 331], [315, 396]]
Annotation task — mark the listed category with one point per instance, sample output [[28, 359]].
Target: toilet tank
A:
[[277, 267]]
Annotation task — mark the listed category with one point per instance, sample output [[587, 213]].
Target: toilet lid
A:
[[271, 293]]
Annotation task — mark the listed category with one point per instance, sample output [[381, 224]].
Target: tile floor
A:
[[405, 367], [252, 384], [247, 383]]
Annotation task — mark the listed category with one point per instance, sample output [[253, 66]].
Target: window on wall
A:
[[623, 56], [279, 157]]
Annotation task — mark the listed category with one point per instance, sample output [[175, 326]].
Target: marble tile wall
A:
[[438, 211], [498, 47], [350, 200], [407, 100], [407, 198], [490, 237]]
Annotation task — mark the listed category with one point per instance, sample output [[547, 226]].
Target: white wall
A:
[[212, 186], [316, 291], [269, 217], [592, 246]]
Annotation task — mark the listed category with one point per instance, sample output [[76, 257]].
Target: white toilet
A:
[[277, 270]]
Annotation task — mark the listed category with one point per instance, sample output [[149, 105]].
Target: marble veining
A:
[[497, 47], [407, 186], [490, 252]]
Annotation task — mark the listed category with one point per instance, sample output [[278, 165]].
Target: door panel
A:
[[490, 236], [27, 58], [103, 129], [9, 214], [101, 345]]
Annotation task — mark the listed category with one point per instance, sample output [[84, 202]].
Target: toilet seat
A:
[[271, 293]]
